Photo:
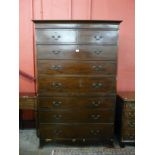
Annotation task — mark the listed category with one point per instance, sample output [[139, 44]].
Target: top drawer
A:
[[51, 36], [71, 36], [97, 37]]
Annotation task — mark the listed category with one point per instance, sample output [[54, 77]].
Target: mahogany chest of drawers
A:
[[125, 118], [76, 79]]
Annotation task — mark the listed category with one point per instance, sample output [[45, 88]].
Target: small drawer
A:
[[68, 116], [53, 36], [76, 52], [97, 37], [71, 85], [72, 67], [75, 131], [89, 102]]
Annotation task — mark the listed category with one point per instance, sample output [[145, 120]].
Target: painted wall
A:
[[74, 10]]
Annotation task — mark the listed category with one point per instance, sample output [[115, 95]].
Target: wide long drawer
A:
[[74, 131], [106, 102], [50, 67], [49, 85], [76, 52], [70, 116]]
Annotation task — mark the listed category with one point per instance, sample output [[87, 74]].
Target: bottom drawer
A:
[[74, 131]]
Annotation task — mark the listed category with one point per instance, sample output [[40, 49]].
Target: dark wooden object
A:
[[125, 118], [76, 77], [27, 104]]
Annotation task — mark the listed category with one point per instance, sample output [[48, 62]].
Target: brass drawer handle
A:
[[131, 124], [97, 85], [56, 84], [56, 103], [58, 116], [56, 67], [57, 132], [56, 52], [131, 106], [97, 52], [56, 37], [97, 68], [48, 140], [96, 103], [131, 115], [95, 116], [74, 140], [77, 50], [95, 132], [98, 37]]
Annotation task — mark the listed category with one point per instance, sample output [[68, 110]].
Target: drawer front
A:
[[51, 36], [76, 52], [51, 85], [128, 119], [68, 116], [106, 102], [128, 134], [76, 131], [129, 123], [50, 67], [97, 37]]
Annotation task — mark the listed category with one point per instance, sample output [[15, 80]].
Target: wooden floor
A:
[[28, 145]]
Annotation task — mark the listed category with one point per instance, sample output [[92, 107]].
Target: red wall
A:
[[82, 10]]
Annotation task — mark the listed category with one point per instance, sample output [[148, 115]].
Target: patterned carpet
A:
[[28, 145]]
